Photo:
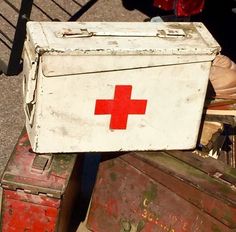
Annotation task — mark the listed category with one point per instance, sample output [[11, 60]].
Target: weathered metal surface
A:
[[27, 212], [89, 83], [39, 191], [163, 192], [22, 170]]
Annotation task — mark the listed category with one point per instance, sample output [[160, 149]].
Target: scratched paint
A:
[[150, 195], [119, 87], [28, 215], [33, 191]]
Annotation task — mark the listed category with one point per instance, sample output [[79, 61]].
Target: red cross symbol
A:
[[120, 107]]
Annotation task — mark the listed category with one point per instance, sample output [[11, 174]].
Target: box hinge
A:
[[19, 190], [35, 193], [16, 188], [30, 189]]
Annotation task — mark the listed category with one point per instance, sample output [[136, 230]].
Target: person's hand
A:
[[223, 77]]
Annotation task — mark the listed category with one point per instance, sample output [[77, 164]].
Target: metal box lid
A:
[[38, 174], [207, 183], [163, 191], [91, 38]]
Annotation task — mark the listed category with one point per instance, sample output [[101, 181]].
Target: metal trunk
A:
[[38, 190], [160, 191], [131, 84]]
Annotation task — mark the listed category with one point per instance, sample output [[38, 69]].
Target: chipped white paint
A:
[[73, 70]]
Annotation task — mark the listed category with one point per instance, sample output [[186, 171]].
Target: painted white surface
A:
[[122, 38], [68, 83]]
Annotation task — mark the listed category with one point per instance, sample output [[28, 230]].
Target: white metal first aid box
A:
[[106, 86]]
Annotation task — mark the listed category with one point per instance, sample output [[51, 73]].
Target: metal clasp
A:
[[41, 163], [171, 33]]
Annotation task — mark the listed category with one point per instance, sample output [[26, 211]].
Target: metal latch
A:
[[74, 33], [227, 179], [41, 163], [171, 33]]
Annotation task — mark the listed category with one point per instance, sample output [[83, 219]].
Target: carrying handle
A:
[[84, 32]]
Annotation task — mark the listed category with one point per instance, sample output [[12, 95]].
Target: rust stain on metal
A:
[[149, 195], [33, 189], [125, 226], [189, 28], [34, 213], [113, 176], [140, 226], [151, 191]]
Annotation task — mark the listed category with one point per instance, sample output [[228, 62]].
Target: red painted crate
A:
[[167, 192], [38, 190]]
